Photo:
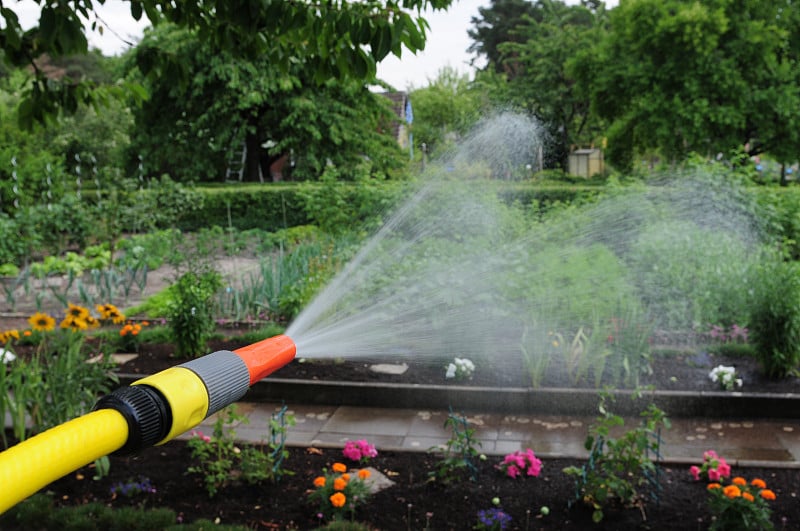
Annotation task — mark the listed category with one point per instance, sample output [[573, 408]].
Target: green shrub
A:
[[38, 512], [190, 313], [775, 318]]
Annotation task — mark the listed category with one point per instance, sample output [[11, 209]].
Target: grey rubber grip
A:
[[225, 376]]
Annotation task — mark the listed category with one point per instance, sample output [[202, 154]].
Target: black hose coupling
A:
[[145, 410]]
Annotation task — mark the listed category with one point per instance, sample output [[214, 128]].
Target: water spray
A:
[[150, 411]]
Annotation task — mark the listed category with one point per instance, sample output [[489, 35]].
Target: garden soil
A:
[[415, 501]]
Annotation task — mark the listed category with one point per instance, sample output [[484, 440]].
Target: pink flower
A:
[[713, 474], [723, 468], [515, 462], [695, 472], [359, 450]]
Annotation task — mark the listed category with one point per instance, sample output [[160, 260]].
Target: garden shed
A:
[[586, 162]]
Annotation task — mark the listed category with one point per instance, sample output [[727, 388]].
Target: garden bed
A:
[[414, 502], [680, 383]]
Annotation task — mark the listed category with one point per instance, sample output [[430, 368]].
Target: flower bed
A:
[[414, 502]]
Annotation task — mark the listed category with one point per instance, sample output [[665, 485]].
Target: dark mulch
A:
[[413, 502]]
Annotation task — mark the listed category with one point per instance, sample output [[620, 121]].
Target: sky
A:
[[446, 46]]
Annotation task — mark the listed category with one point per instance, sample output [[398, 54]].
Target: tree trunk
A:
[[252, 161]]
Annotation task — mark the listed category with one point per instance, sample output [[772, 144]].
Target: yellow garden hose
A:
[[151, 411], [40, 460]]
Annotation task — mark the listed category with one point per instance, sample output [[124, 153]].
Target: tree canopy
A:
[[335, 39], [676, 77], [230, 101]]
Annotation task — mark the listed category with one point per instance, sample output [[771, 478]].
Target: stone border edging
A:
[[517, 400]]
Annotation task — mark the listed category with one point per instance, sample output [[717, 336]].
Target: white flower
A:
[[725, 376], [460, 368], [6, 356]]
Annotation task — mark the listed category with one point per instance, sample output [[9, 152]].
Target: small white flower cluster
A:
[[6, 356], [460, 369], [725, 376]]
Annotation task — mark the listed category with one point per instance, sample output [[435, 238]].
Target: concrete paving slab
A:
[[361, 422], [757, 442]]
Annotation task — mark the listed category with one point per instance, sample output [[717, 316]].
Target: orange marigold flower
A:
[[767, 494], [732, 491], [747, 496], [712, 486], [739, 481], [319, 481], [363, 473], [41, 322], [346, 477], [339, 467], [27, 333], [339, 484], [338, 499], [759, 483]]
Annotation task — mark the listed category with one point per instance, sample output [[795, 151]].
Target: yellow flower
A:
[[339, 484], [338, 499], [41, 322], [76, 312], [319, 481], [13, 334], [73, 324], [339, 467], [91, 322]]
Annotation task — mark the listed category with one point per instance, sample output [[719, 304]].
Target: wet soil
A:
[[414, 501]]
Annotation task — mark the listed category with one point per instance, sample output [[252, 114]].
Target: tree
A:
[[540, 80], [337, 39], [496, 26], [676, 77], [233, 101], [444, 110]]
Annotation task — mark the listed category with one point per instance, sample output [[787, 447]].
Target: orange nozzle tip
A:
[[267, 356]]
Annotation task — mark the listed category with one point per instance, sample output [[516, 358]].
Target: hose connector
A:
[[146, 412]]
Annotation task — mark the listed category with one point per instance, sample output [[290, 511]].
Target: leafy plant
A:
[[190, 311], [338, 492], [219, 459], [459, 452], [775, 318], [741, 506], [618, 468]]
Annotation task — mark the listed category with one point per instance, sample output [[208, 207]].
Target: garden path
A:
[[743, 442]]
